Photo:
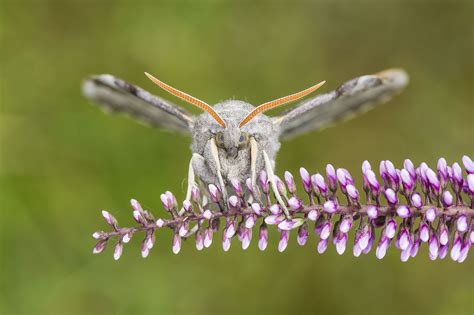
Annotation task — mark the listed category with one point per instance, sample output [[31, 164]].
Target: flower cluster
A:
[[406, 207]]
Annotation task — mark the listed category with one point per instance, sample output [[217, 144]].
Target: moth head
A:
[[232, 140]]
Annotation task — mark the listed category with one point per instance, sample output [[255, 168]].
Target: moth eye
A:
[[243, 140], [219, 139]]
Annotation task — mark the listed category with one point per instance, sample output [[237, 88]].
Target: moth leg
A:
[[215, 156], [272, 179], [191, 178], [253, 166]]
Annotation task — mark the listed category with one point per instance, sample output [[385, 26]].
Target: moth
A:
[[234, 140]]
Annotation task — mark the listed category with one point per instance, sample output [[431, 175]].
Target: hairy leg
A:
[[272, 179], [215, 156]]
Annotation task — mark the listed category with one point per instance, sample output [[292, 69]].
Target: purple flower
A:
[[433, 180], [341, 177], [389, 174], [274, 219], [346, 224], [145, 250], [415, 246], [331, 177], [356, 250], [390, 228], [195, 194], [225, 243], [382, 247], [464, 251], [341, 241], [248, 183], [403, 212], [372, 212], [373, 183], [207, 214], [136, 205], [199, 241], [215, 193], [313, 215], [330, 206], [176, 244], [322, 245], [263, 180], [326, 230], [283, 243], [187, 206], [295, 203], [352, 192], [468, 164], [302, 235], [160, 223], [447, 199], [306, 179], [290, 224], [183, 229], [457, 179], [233, 202], [461, 223], [424, 232], [257, 208], [263, 237], [416, 200], [290, 182], [363, 238], [456, 249], [207, 237], [231, 228], [443, 171], [470, 184], [99, 247], [275, 209], [408, 165], [443, 234], [433, 245], [430, 214], [404, 240], [443, 251], [110, 219], [280, 186], [246, 238], [391, 196], [237, 186], [319, 185], [407, 181], [250, 221]]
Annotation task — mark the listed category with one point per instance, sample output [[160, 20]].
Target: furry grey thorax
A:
[[235, 161]]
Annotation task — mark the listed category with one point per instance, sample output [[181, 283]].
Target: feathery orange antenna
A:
[[278, 102], [188, 98]]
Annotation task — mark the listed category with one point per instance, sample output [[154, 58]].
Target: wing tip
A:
[[91, 84], [397, 76]]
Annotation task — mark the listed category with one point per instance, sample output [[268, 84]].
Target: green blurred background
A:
[[63, 160]]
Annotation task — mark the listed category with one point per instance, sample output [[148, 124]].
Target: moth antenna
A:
[[188, 98], [278, 102]]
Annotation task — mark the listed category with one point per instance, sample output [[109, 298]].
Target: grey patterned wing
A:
[[118, 96], [351, 98]]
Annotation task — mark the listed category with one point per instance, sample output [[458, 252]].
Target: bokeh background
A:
[[63, 160]]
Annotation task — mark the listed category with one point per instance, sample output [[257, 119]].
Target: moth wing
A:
[[118, 96], [351, 98]]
